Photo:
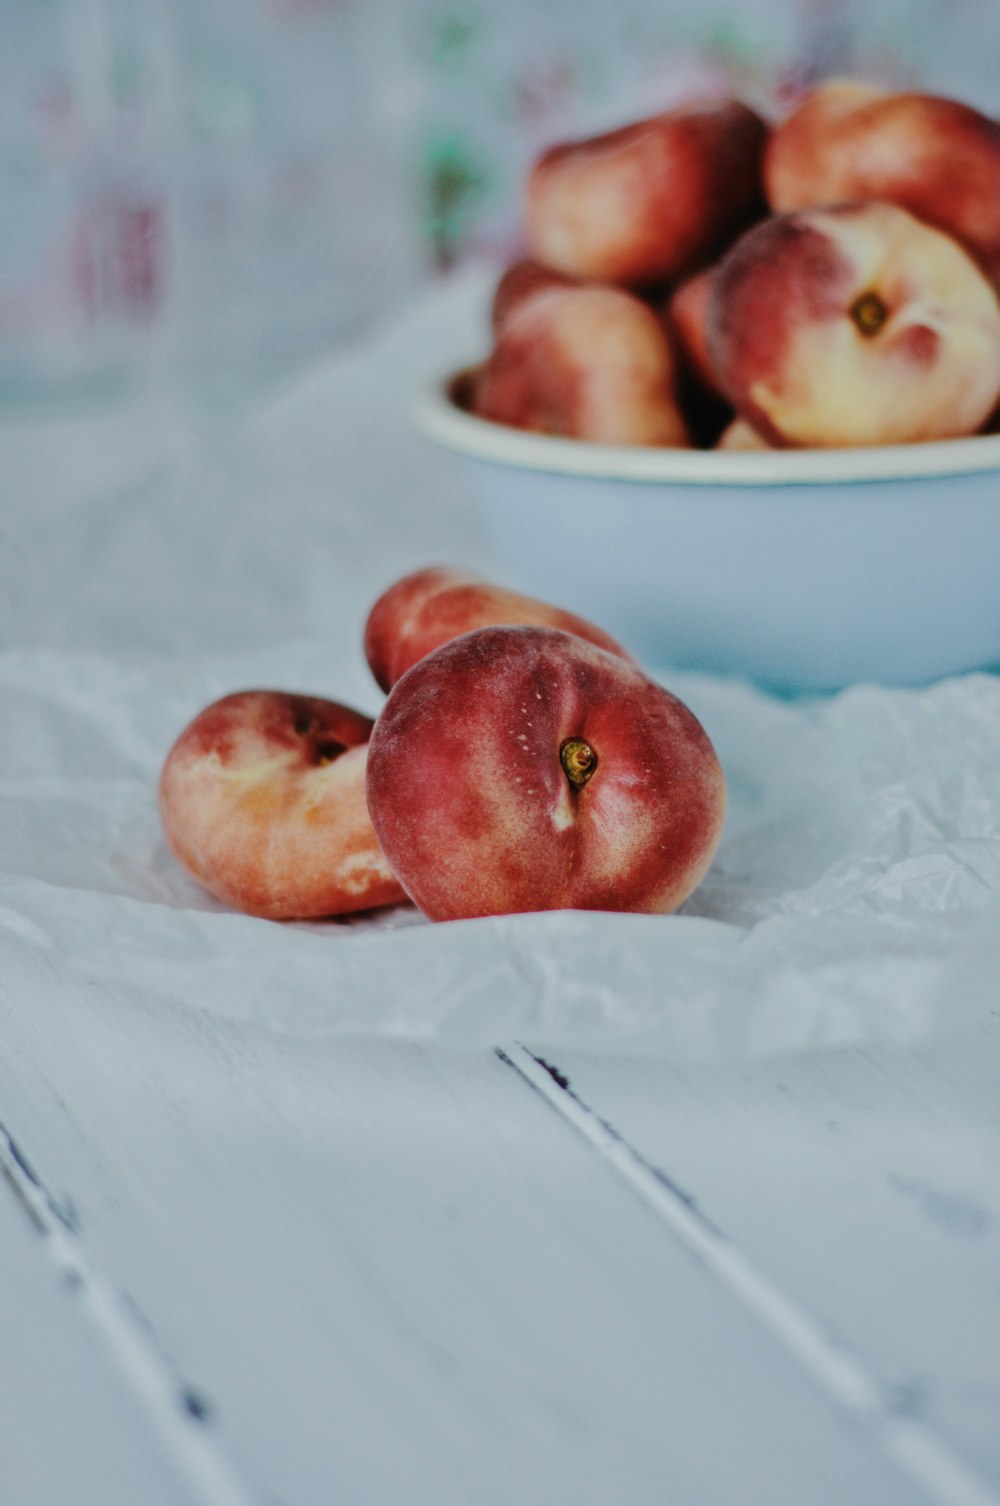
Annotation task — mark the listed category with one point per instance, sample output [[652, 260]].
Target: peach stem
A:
[[869, 313], [578, 760]]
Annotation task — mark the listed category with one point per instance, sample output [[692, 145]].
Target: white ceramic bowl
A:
[[800, 569]]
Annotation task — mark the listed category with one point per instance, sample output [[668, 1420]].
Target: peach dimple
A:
[[262, 799]]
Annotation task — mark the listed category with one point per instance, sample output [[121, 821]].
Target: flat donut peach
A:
[[262, 799]]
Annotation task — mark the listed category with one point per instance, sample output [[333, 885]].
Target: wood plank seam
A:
[[929, 1463], [177, 1413]]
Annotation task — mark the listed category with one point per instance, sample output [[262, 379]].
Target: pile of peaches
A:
[[522, 761], [699, 278]]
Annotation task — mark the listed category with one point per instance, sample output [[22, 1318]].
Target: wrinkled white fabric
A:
[[150, 562]]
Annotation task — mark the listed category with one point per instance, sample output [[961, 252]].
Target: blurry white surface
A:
[[193, 193]]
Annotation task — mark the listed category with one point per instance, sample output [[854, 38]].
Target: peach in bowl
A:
[[801, 569]]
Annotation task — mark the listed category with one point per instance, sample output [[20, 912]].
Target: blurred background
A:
[[211, 191]]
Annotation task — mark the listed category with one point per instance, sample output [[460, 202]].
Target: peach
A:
[[262, 798], [430, 607], [584, 363], [521, 280], [521, 768], [935, 157], [652, 201], [687, 315], [740, 436], [854, 325]]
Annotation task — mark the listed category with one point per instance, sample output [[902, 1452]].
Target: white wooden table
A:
[[241, 1270]]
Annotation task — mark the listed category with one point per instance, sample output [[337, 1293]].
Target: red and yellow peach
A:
[[651, 202], [583, 363], [935, 157], [522, 768], [262, 798], [854, 325], [430, 607]]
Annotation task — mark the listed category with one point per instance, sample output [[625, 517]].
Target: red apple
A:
[[651, 202], [263, 800], [521, 768], [430, 607], [584, 363], [935, 157], [854, 325]]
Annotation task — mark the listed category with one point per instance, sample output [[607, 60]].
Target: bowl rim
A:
[[439, 415]]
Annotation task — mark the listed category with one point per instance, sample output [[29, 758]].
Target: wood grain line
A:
[[175, 1409], [928, 1462]]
